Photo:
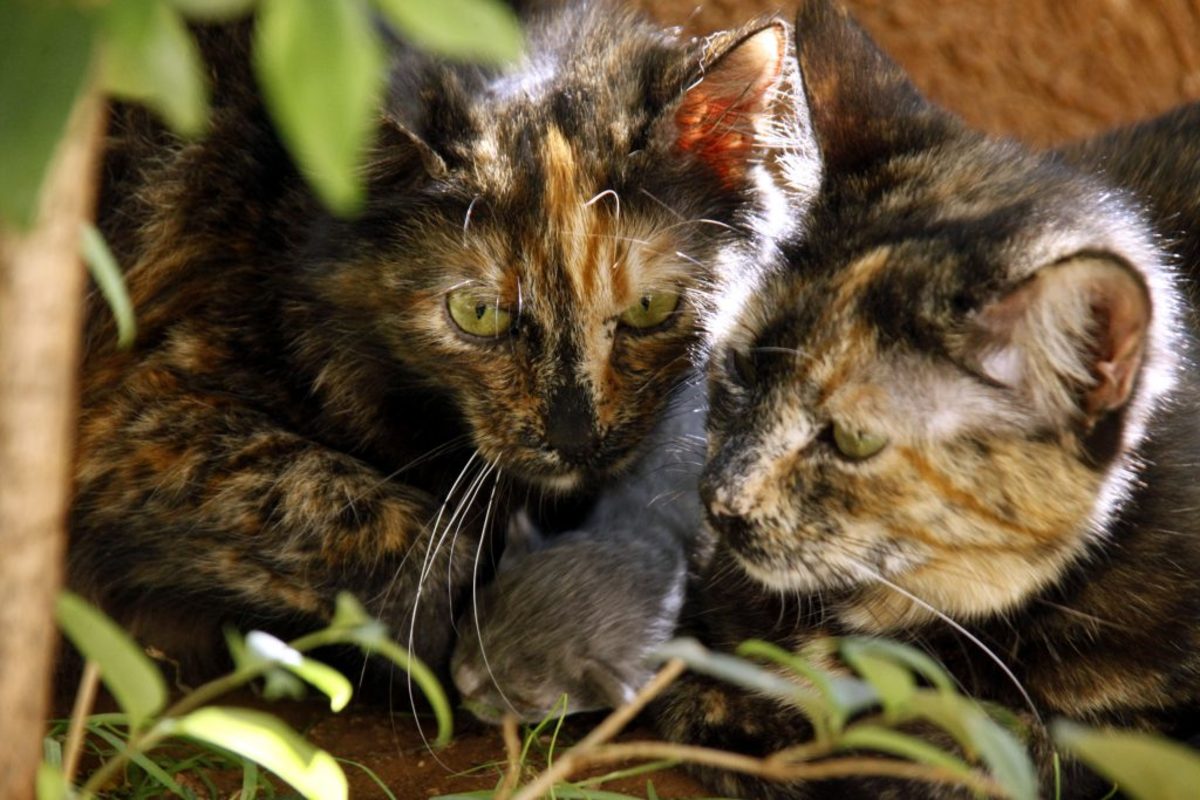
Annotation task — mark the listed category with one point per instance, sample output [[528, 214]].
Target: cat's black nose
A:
[[570, 425]]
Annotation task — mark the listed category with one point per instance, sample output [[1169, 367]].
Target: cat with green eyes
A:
[[959, 410], [316, 404]]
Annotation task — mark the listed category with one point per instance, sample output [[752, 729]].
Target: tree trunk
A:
[[41, 301]]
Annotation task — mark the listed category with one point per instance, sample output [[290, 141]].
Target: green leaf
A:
[[45, 49], [52, 752], [902, 654], [484, 31], [52, 784], [322, 69], [1145, 766], [214, 10], [424, 678], [1004, 756], [893, 683], [885, 740], [151, 57], [107, 276], [947, 710], [132, 678], [265, 739], [333, 683], [279, 684], [349, 613], [844, 696]]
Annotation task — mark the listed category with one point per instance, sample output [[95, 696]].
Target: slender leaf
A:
[[885, 740], [45, 49], [903, 654], [265, 739], [893, 683], [484, 31], [107, 276], [1144, 766], [151, 57], [1004, 756], [844, 696], [349, 613], [321, 68], [422, 675], [52, 784], [740, 672], [132, 678], [949, 711], [326, 678]]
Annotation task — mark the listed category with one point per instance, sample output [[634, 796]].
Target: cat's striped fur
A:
[[1009, 323], [301, 415]]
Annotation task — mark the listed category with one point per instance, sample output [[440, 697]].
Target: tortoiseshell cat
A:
[[964, 394], [316, 404]]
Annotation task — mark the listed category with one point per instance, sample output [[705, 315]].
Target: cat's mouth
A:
[[547, 469], [794, 560]]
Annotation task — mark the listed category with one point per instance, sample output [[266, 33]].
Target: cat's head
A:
[[536, 238], [937, 393]]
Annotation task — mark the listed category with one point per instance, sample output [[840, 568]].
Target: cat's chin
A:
[[792, 579]]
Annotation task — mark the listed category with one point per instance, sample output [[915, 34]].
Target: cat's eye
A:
[[651, 310], [740, 366], [857, 444], [476, 316]]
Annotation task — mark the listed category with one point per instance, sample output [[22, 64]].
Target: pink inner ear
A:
[[718, 118], [1122, 315]]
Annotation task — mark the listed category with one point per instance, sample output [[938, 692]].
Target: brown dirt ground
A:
[[392, 747]]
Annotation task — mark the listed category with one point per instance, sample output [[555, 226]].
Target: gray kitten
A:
[[577, 614]]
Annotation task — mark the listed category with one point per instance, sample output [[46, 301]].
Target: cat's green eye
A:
[[856, 444], [651, 310], [476, 316]]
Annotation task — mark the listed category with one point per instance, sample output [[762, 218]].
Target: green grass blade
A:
[[383, 787], [142, 760]]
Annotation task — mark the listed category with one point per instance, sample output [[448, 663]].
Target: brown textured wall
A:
[[1042, 70]]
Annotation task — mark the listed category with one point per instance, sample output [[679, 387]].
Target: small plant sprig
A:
[[146, 721], [856, 716]]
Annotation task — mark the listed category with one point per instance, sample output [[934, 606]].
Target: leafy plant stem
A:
[[607, 729], [85, 698], [512, 748], [202, 695]]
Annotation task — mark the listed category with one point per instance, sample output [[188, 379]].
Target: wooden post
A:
[[41, 301]]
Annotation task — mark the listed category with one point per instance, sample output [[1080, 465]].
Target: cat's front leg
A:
[[702, 711], [194, 510]]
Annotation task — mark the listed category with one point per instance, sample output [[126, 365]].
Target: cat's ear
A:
[[860, 102], [1072, 336], [521, 539], [398, 144], [724, 115]]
